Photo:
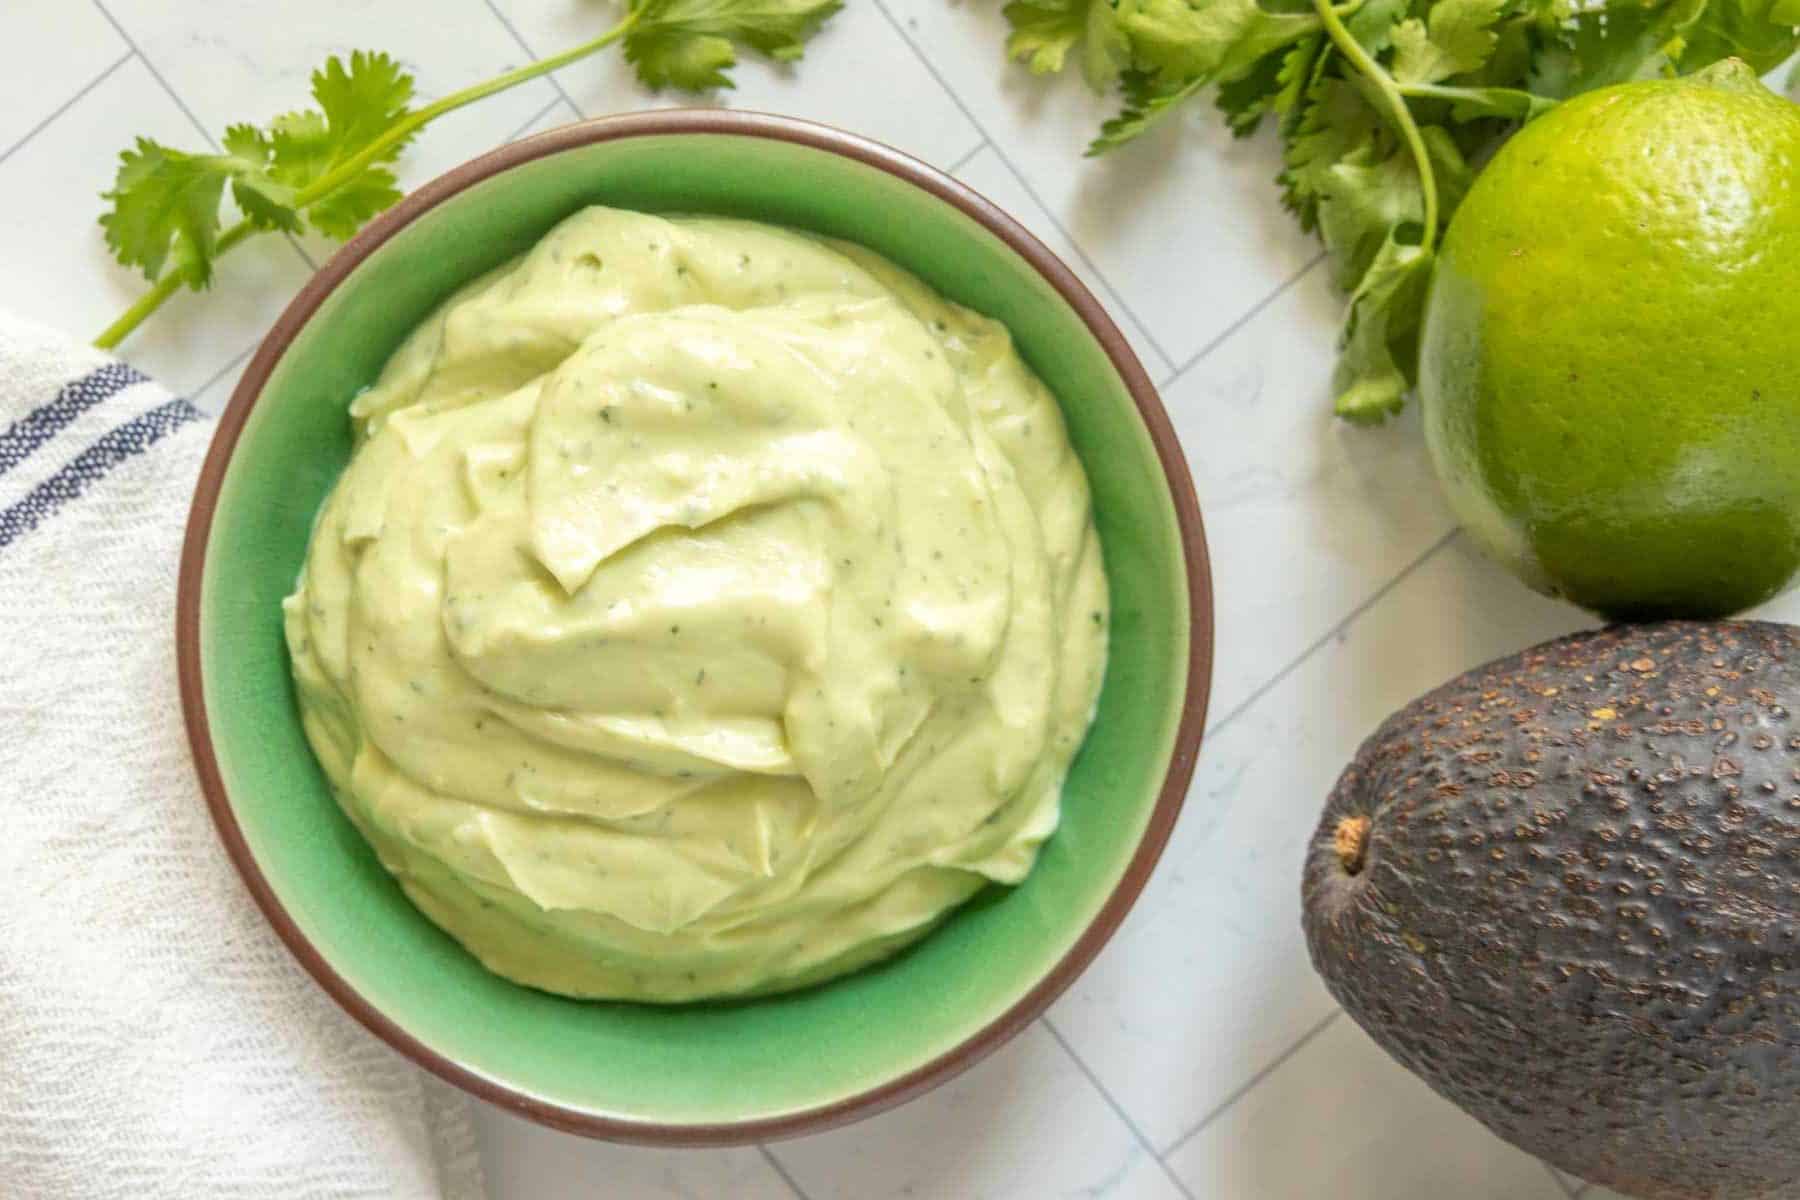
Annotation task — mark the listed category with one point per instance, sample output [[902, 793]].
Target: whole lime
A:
[[1610, 364]]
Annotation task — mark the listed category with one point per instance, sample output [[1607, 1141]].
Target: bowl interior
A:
[[721, 1063]]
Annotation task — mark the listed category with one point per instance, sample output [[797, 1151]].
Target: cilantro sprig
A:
[[1384, 108], [327, 167]]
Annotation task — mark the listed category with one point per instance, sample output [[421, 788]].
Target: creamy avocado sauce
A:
[[706, 609]]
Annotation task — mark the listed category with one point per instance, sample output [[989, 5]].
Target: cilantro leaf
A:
[[1373, 23], [1381, 331], [1106, 52], [1179, 47], [1044, 31], [165, 207], [361, 102], [1362, 200], [1298, 69], [1181, 43], [1457, 37], [1275, 83], [302, 142], [267, 203], [348, 207], [1335, 122], [690, 44], [1517, 36], [1761, 32], [697, 63], [1146, 103], [1245, 99], [1623, 41]]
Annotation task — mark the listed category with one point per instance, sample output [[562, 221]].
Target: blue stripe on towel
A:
[[41, 424], [91, 465]]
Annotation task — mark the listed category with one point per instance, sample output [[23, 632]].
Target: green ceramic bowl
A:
[[712, 1073]]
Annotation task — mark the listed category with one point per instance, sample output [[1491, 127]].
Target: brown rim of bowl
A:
[[1168, 450]]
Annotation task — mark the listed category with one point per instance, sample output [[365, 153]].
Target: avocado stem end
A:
[[1351, 841]]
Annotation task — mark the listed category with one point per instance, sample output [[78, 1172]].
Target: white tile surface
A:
[[989, 174], [1782, 608], [1333, 606], [857, 74], [1340, 1119], [1306, 517], [523, 1159], [73, 36], [1025, 1122]]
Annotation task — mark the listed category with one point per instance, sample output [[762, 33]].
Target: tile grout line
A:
[[157, 75], [1112, 292], [187, 112], [225, 370], [294, 241], [1082, 254], [968, 158], [66, 105], [1256, 1079], [1349, 619], [1118, 1109], [1255, 311], [1050, 215], [782, 1171], [533, 55], [516, 134]]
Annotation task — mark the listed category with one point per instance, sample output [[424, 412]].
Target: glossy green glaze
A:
[[720, 1063], [1608, 365]]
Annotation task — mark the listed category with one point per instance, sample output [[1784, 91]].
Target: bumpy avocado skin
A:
[[1574, 908]]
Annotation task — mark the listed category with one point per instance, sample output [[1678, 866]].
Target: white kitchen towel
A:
[[156, 1040]]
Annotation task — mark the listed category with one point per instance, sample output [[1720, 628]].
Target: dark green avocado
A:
[[1564, 889]]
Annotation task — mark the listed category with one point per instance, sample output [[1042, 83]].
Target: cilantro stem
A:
[[1403, 118], [1524, 105], [170, 283], [414, 121], [1425, 91]]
